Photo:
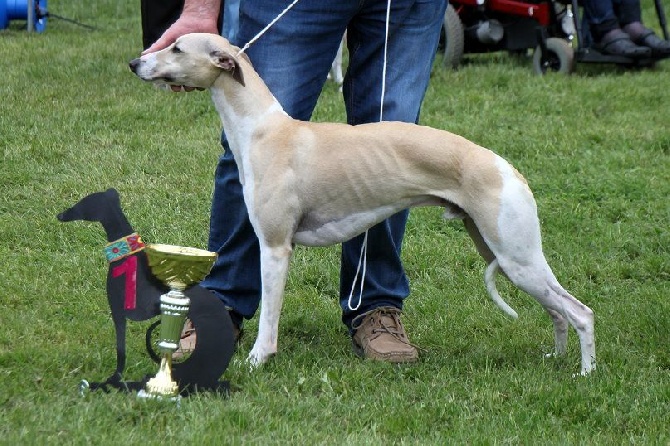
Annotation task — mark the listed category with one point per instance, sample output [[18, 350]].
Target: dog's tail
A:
[[490, 280]]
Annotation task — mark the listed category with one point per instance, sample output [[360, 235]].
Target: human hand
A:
[[185, 24]]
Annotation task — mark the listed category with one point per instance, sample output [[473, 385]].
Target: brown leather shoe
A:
[[381, 336], [186, 343], [189, 339]]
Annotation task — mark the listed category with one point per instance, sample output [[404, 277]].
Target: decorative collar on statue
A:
[[124, 247]]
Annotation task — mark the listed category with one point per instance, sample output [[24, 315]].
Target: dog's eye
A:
[[175, 49]]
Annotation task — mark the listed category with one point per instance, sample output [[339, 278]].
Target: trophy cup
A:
[[177, 267]]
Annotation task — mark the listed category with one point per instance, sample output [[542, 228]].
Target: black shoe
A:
[[618, 43], [658, 46]]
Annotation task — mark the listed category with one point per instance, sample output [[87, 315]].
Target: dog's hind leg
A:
[[559, 320], [560, 332], [535, 278], [477, 238], [274, 269], [492, 268], [582, 319]]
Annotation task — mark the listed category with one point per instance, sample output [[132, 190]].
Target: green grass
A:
[[594, 147]]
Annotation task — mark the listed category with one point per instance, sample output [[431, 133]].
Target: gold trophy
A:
[[177, 267]]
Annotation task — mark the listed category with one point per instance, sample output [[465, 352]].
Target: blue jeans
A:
[[293, 58], [604, 16], [231, 19]]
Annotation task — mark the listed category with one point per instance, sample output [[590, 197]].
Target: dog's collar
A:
[[124, 247]]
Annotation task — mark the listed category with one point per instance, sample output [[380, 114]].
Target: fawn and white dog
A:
[[318, 184]]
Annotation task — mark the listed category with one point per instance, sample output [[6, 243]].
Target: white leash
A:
[[264, 30], [363, 257], [386, 44]]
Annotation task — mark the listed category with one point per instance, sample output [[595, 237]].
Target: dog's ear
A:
[[227, 62]]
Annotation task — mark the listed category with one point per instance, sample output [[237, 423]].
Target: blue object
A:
[[18, 10]]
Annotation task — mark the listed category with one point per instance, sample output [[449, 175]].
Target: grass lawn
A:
[[594, 147]]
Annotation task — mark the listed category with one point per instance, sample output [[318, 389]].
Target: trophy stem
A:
[[174, 308]]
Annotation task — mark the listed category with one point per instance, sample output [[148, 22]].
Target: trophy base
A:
[[146, 396], [84, 388], [162, 384]]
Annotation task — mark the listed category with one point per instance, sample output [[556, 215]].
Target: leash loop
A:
[[362, 260]]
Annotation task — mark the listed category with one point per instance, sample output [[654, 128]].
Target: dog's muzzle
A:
[[138, 66], [134, 65]]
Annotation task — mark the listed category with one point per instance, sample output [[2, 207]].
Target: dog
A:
[[133, 293], [317, 184]]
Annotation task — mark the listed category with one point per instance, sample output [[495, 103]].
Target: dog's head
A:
[[92, 207], [194, 60]]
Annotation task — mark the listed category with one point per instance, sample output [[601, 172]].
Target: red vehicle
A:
[[549, 28]]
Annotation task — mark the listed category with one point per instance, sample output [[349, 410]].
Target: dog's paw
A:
[[160, 85], [587, 370], [254, 361], [258, 357]]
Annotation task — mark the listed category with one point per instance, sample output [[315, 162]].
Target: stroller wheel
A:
[[454, 38], [560, 57]]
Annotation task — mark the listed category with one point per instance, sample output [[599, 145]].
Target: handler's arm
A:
[[198, 16]]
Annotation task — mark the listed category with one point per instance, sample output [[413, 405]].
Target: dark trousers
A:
[[604, 16], [157, 16]]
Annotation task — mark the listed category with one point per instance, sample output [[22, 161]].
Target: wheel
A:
[[454, 38], [560, 57]]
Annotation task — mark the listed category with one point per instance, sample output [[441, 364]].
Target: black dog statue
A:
[[134, 293]]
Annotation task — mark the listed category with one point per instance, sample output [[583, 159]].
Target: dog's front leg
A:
[[274, 268]]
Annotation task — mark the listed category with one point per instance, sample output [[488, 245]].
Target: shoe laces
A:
[[378, 319], [381, 324]]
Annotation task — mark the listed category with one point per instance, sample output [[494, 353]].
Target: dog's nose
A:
[[134, 64]]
